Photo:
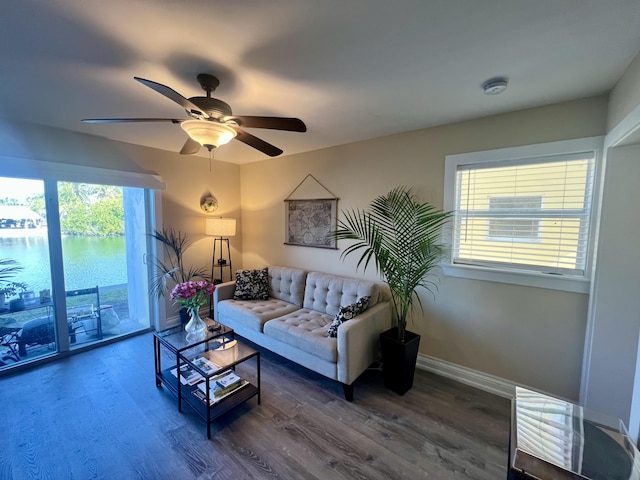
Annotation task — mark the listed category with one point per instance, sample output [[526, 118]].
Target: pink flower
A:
[[192, 294]]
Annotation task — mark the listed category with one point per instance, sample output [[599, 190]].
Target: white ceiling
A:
[[350, 69]]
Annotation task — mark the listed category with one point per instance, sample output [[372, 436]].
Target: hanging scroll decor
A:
[[309, 221]]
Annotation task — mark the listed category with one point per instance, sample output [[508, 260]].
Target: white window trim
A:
[[532, 279], [66, 172]]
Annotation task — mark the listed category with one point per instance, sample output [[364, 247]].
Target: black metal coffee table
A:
[[221, 352]]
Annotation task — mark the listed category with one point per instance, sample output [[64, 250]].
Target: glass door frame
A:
[[54, 237], [50, 173]]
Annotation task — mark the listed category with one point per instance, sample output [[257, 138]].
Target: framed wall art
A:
[[310, 221]]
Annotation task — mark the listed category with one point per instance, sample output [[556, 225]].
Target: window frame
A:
[[50, 173], [578, 284]]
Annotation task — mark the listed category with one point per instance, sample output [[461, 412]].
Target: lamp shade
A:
[[208, 133], [220, 227]]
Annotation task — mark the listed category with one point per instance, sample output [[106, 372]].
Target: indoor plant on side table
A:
[[403, 236], [170, 268]]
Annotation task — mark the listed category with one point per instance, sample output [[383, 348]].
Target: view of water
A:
[[88, 261]]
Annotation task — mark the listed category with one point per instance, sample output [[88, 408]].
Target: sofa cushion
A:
[[307, 330], [326, 293], [253, 314], [347, 313], [287, 284], [252, 285]]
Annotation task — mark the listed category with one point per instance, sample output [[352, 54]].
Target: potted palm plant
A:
[[403, 238], [170, 269]]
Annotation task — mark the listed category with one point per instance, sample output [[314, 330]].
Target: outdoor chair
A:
[[36, 332], [86, 317], [83, 318], [10, 340]]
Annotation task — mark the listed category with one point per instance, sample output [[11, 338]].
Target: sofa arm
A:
[[223, 291], [358, 341]]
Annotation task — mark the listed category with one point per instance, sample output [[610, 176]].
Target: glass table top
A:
[[553, 432], [178, 339], [222, 353]]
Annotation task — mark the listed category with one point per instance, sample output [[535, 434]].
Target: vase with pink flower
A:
[[193, 295]]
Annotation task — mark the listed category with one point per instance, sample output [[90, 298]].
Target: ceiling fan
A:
[[212, 123]]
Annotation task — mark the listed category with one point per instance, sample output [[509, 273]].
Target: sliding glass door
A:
[[74, 252], [94, 260], [26, 306]]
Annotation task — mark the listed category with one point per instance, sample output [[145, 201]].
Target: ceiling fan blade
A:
[[130, 120], [190, 147], [171, 94], [273, 123], [257, 143]]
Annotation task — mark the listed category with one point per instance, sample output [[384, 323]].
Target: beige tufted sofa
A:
[[294, 321]]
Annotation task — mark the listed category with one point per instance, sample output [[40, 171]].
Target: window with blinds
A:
[[526, 214], [514, 227]]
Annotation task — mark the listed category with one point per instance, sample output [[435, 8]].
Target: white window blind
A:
[[514, 227], [526, 214]]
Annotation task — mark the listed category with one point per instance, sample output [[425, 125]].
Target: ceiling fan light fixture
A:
[[208, 134], [212, 123]]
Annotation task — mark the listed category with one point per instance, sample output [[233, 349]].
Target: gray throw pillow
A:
[[347, 313], [252, 285]]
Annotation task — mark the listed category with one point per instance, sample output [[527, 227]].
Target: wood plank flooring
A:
[[99, 415]]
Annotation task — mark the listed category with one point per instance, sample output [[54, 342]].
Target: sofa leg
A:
[[348, 392]]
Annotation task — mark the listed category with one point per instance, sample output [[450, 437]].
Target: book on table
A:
[[228, 379], [206, 365], [188, 374], [200, 394], [216, 391]]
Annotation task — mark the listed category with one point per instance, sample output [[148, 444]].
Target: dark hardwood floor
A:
[[99, 415]]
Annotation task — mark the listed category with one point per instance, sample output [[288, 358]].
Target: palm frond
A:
[[402, 237], [9, 268], [172, 269]]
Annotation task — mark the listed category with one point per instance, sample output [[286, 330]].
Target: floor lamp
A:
[[221, 229]]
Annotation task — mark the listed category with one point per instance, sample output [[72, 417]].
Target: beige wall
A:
[[527, 335], [626, 94], [187, 178]]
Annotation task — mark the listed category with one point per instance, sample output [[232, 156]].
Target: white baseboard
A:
[[483, 381]]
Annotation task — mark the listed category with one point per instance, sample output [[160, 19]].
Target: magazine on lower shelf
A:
[[216, 392], [188, 374], [206, 365]]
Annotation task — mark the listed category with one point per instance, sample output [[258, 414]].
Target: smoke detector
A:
[[495, 86]]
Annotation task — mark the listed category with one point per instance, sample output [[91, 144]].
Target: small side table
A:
[[226, 357], [175, 340], [219, 347], [555, 439]]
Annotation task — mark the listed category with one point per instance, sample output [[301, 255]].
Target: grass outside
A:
[[115, 296], [112, 299]]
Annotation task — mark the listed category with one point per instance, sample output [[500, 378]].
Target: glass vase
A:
[[195, 327]]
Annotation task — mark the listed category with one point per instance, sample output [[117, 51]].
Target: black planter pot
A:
[[399, 359]]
